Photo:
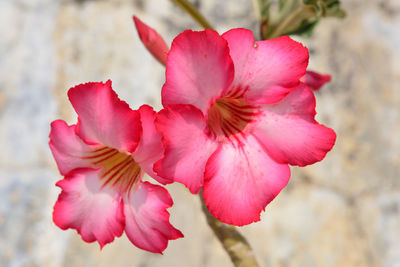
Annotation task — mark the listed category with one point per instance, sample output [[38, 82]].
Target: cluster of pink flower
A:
[[236, 113]]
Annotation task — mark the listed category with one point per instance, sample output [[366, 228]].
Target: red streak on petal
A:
[[99, 155], [119, 169], [229, 116], [106, 158]]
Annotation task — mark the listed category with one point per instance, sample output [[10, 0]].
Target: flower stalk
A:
[[234, 243], [193, 12]]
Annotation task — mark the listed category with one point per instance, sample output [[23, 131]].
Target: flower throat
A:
[[118, 168], [229, 116]]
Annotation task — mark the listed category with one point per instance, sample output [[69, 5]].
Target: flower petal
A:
[[67, 148], [315, 80], [240, 182], [289, 132], [147, 218], [199, 69], [95, 212], [153, 41], [103, 118], [268, 69], [150, 148], [187, 146]]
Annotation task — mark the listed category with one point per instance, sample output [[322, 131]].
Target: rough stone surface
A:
[[344, 211]]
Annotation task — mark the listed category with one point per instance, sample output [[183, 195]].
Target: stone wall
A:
[[344, 211]]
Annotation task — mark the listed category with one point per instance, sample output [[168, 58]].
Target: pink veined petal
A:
[[268, 69], [289, 132], [315, 80], [240, 182], [67, 148], [150, 148], [187, 146], [147, 218], [103, 118], [199, 69], [153, 41], [95, 212]]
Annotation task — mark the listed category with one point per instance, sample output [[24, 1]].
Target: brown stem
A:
[[194, 12], [233, 242]]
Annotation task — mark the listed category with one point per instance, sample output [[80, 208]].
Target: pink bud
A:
[[152, 41], [315, 80]]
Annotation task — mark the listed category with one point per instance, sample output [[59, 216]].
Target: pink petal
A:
[[240, 182], [153, 41], [289, 132], [187, 146], [150, 148], [95, 212], [67, 148], [103, 118], [315, 80], [268, 69], [147, 218], [300, 102], [199, 69]]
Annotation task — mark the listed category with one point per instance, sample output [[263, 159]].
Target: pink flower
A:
[[153, 41], [315, 80], [103, 158], [235, 116]]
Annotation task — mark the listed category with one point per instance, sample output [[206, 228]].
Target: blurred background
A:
[[343, 211]]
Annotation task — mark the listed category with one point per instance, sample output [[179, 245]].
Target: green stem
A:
[[262, 8], [296, 16], [188, 7], [233, 242], [281, 28]]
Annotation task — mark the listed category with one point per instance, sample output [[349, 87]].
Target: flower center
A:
[[118, 168], [229, 116]]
